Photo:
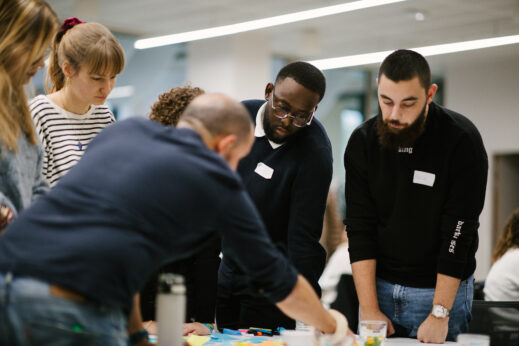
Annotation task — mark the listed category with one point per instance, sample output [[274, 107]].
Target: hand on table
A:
[[195, 328], [433, 330], [378, 316], [151, 327]]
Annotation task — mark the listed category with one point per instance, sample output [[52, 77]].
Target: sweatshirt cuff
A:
[[451, 267]]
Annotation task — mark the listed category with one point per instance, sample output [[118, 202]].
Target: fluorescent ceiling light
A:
[[258, 23], [377, 57]]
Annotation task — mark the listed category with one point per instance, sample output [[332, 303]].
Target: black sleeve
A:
[[360, 210], [246, 241], [465, 199], [307, 204]]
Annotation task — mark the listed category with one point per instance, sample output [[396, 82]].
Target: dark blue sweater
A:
[[292, 202], [416, 210], [141, 196]]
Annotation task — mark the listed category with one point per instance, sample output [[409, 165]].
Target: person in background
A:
[[201, 270], [26, 31], [84, 63], [335, 241], [287, 174], [333, 228], [171, 104], [337, 265], [502, 282], [416, 177], [103, 239]]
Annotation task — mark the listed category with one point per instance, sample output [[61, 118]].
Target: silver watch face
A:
[[439, 311]]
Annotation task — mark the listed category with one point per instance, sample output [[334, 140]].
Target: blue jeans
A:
[[30, 315], [408, 307]]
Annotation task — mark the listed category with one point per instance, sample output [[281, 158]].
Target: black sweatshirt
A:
[[292, 202], [415, 210]]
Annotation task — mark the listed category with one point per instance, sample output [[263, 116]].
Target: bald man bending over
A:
[[141, 196]]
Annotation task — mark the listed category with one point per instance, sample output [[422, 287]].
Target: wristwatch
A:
[[439, 311]]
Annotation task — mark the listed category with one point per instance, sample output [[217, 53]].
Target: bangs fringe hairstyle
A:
[[509, 237], [27, 28], [89, 45]]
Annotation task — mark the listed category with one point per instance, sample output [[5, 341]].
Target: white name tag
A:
[[264, 170], [423, 178]]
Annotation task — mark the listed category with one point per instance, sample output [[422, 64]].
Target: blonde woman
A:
[[26, 31], [85, 61]]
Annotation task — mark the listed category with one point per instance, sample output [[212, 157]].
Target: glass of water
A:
[[372, 333]]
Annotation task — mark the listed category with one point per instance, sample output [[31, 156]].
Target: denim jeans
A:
[[408, 307], [30, 315]]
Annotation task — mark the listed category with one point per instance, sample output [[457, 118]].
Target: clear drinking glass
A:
[[372, 333]]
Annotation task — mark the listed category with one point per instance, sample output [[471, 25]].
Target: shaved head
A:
[[220, 115]]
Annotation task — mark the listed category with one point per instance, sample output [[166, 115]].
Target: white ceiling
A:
[[374, 29]]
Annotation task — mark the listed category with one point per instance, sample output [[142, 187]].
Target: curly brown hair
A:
[[171, 104], [509, 237]]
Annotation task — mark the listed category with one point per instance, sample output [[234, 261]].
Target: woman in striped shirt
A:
[[85, 61]]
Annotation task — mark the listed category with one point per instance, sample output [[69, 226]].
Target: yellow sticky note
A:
[[197, 340]]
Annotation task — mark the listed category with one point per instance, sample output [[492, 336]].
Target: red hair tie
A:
[[69, 23]]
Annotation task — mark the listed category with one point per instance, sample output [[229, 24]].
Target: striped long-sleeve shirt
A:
[[65, 135]]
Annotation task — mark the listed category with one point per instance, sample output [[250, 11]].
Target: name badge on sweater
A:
[[264, 170], [424, 178]]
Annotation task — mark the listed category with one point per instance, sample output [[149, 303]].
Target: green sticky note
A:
[[77, 328]]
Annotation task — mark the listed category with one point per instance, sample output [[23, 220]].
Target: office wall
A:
[[487, 92]]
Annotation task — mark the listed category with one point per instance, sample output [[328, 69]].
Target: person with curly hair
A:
[[171, 104], [502, 283], [200, 271]]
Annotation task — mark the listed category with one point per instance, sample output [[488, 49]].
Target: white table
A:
[[388, 342], [407, 341]]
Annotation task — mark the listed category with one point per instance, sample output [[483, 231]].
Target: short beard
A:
[[404, 138]]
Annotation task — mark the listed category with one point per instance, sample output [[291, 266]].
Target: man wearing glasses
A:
[[287, 174]]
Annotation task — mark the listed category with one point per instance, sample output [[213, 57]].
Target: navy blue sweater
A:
[[141, 196], [416, 210], [292, 202]]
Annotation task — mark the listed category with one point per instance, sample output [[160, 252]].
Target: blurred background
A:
[[479, 83]]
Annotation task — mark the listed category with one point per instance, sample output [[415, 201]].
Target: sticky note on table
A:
[[197, 340]]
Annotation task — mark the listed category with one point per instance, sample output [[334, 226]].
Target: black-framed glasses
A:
[[299, 119]]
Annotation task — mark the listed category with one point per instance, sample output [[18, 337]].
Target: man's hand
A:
[[195, 328], [433, 330], [377, 316], [151, 327]]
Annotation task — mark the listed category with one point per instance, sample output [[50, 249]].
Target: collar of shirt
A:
[[259, 131]]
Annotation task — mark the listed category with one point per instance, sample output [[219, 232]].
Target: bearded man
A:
[[415, 186]]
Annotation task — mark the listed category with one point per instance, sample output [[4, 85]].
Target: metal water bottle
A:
[[171, 309]]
